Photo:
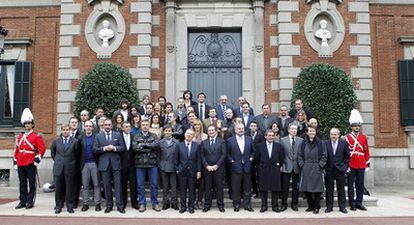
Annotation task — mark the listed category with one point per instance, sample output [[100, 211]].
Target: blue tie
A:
[[65, 144]]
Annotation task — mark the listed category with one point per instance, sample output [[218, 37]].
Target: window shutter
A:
[[23, 72], [406, 73]]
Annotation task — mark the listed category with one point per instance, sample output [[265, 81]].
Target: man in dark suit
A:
[[84, 116], [270, 157], [65, 154], [266, 119], [336, 167], [213, 155], [89, 168], [240, 155], [238, 109], [284, 120], [188, 166], [201, 109], [222, 107], [128, 167], [246, 117], [257, 137], [109, 146], [298, 107], [76, 133]]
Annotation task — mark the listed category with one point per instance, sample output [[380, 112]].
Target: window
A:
[[15, 79]]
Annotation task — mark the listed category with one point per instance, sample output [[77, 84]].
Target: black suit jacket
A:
[[284, 130], [65, 161], [109, 160], [207, 108], [242, 162], [82, 144], [127, 156], [213, 155], [339, 161], [188, 165]]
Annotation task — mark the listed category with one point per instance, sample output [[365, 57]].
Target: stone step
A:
[[369, 201]]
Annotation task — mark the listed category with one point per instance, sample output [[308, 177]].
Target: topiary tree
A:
[[328, 92], [104, 85]]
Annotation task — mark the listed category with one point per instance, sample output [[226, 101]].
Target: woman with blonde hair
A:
[[199, 134], [302, 121]]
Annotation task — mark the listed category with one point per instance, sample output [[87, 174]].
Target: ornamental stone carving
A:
[[324, 27], [105, 28]]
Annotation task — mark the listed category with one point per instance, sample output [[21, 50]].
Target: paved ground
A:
[[134, 221], [395, 206]]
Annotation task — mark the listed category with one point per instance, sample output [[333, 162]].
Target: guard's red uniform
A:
[[358, 146], [28, 146]]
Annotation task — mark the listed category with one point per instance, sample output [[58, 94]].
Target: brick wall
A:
[[41, 24], [388, 23]]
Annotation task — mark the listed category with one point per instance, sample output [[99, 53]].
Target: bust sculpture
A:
[[324, 34], [105, 34]]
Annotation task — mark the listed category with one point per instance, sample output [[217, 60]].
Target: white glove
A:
[[367, 169], [348, 170], [15, 166]]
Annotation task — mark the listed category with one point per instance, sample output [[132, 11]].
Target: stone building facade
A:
[[272, 41]]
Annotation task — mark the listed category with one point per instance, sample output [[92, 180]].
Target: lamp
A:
[[3, 34]]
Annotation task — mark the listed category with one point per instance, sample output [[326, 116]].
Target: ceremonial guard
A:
[[29, 151], [359, 161]]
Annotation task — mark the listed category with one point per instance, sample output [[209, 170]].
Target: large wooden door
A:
[[215, 65]]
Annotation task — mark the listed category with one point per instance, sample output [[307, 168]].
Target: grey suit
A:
[[65, 168], [168, 172], [290, 169], [264, 123], [110, 163]]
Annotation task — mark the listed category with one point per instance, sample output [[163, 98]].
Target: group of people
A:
[[196, 148]]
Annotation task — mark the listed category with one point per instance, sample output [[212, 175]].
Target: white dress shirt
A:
[[127, 138], [240, 142], [269, 148]]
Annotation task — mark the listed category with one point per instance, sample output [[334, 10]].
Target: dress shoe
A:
[[263, 209], [98, 208], [343, 210], [58, 210], [309, 209], [182, 211], [295, 208], [283, 208], [135, 206], [156, 208], [276, 209], [360, 207], [175, 206], [249, 209], [206, 209], [316, 211], [142, 208], [353, 208], [221, 209], [165, 206], [191, 211], [328, 210], [85, 208], [21, 205], [108, 210], [121, 210], [236, 209], [30, 205], [70, 210]]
